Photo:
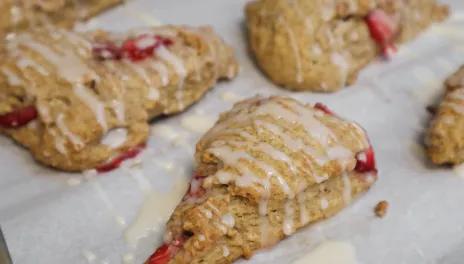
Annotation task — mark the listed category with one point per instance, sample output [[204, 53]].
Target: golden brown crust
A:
[[83, 98], [445, 138], [322, 45], [267, 168], [22, 15]]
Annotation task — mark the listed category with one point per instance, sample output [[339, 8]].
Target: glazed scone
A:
[[269, 167], [79, 101], [321, 45], [18, 15], [445, 136]]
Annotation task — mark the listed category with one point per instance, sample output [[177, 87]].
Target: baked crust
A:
[[320, 45], [94, 93], [269, 167], [445, 138], [25, 14]]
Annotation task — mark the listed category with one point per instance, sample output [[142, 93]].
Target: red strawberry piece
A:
[[135, 49], [18, 117], [107, 51], [366, 161], [116, 162], [323, 108], [143, 46], [161, 256], [382, 30], [165, 252]]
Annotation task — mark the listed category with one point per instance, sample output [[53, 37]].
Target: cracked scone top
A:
[[321, 45], [267, 168], [445, 136], [18, 15], [80, 100]]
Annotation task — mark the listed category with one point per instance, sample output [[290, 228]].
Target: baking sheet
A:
[[53, 217]]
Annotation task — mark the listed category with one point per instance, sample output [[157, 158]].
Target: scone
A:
[[269, 167], [17, 15], [445, 136], [321, 45], [80, 101]]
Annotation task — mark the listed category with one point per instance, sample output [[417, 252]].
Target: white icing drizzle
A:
[[224, 177], [153, 214], [278, 155], [162, 71], [59, 142], [264, 227], [343, 66], [316, 49], [214, 208], [328, 10], [115, 138], [75, 139], [324, 203], [206, 213], [299, 115], [458, 95], [346, 188], [229, 96], [179, 67], [241, 148], [294, 45], [68, 66], [456, 107], [221, 227], [44, 113], [288, 225], [97, 107], [119, 110], [139, 69], [248, 177], [16, 14], [309, 27], [294, 144], [116, 68], [342, 154], [197, 123], [12, 77], [225, 251], [75, 39], [23, 63], [128, 258], [153, 94], [330, 252], [228, 220]]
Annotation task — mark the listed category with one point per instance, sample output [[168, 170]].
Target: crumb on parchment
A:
[[381, 209]]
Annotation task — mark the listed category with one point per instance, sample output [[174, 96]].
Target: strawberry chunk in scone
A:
[[383, 30], [18, 117]]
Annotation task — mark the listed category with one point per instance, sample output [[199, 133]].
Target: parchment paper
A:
[[52, 217]]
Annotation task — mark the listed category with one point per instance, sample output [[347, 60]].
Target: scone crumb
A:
[[381, 209]]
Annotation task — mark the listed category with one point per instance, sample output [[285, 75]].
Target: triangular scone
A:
[[321, 45], [267, 168], [25, 14], [80, 100], [445, 136]]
